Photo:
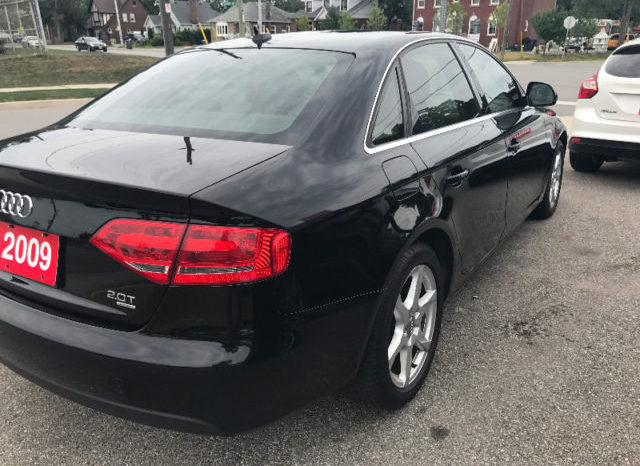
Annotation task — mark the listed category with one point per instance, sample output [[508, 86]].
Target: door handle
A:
[[457, 178]]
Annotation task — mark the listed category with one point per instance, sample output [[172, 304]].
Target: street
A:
[[538, 360]]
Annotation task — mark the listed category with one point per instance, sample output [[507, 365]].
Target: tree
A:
[[611, 9], [456, 15], [377, 19], [332, 20], [585, 28], [303, 23], [398, 11], [289, 5], [626, 16], [550, 25], [67, 17], [346, 22]]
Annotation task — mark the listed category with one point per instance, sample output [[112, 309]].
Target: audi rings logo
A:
[[19, 205]]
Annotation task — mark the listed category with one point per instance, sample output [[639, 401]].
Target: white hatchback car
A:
[[606, 123]]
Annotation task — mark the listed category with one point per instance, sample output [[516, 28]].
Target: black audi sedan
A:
[[90, 43], [238, 230]]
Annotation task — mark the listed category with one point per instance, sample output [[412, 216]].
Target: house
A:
[[273, 18], [184, 15], [103, 20], [478, 24], [316, 10]]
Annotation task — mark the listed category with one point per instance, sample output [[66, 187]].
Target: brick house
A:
[[103, 22], [478, 25]]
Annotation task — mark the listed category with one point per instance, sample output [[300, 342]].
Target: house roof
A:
[[362, 10], [156, 20], [182, 11], [301, 13], [250, 14], [106, 6]]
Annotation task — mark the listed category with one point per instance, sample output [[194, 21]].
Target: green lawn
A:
[[59, 67], [55, 94], [515, 56]]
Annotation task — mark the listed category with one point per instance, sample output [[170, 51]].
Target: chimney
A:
[[193, 11], [267, 7]]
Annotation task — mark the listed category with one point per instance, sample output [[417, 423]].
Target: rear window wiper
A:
[[223, 51]]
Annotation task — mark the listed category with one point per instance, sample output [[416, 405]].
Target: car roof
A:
[[340, 41]]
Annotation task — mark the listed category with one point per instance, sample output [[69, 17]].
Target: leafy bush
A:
[[331, 21], [377, 19], [190, 36], [346, 22], [303, 23], [549, 25], [157, 40]]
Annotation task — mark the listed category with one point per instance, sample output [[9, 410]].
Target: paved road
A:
[[538, 363], [564, 77]]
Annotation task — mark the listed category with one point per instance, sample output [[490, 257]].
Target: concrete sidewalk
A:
[[53, 88]]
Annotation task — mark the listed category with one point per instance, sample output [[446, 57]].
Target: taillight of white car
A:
[[589, 87]]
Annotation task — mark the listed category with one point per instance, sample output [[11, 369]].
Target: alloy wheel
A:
[[415, 315]]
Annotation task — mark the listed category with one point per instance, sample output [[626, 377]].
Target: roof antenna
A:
[[260, 39]]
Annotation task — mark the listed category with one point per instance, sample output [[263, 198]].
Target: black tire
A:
[[374, 384], [549, 203], [585, 162]]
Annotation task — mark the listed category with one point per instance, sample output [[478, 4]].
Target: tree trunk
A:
[[506, 30], [624, 22]]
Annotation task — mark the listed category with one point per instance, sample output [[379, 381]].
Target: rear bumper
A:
[[609, 150], [190, 385]]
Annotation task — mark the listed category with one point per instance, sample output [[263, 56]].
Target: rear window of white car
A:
[[625, 62]]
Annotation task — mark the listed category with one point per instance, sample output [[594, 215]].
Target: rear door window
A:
[[389, 121], [500, 89], [625, 62], [439, 91]]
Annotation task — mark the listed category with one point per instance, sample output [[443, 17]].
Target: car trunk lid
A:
[[78, 180], [619, 84]]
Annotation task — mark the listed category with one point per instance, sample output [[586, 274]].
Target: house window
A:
[[124, 17], [134, 3], [475, 2], [132, 18], [273, 29], [491, 27], [343, 5], [420, 3], [526, 25], [474, 25], [309, 7], [222, 29], [494, 2], [437, 3]]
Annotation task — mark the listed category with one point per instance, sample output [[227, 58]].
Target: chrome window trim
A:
[[417, 137]]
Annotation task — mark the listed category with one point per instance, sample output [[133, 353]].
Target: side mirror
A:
[[541, 95]]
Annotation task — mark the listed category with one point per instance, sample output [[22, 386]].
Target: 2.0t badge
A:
[[19, 205]]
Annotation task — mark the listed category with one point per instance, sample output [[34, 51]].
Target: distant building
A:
[[479, 24], [185, 14], [275, 19], [103, 22]]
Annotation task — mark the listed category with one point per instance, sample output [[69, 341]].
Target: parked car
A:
[[32, 42], [606, 121], [90, 43], [211, 253], [614, 40]]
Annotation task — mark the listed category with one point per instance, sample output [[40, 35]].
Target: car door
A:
[[448, 132], [525, 130]]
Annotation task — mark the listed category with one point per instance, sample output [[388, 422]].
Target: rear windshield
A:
[[210, 93], [625, 62]]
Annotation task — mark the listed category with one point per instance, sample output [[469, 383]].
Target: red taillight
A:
[[589, 87], [195, 254]]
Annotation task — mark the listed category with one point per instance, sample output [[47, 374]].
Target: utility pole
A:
[[115, 3], [443, 15], [167, 32], [13, 46], [40, 26], [505, 33], [241, 31], [260, 15]]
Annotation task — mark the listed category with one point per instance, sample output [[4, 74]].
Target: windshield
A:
[[240, 91], [91, 39]]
